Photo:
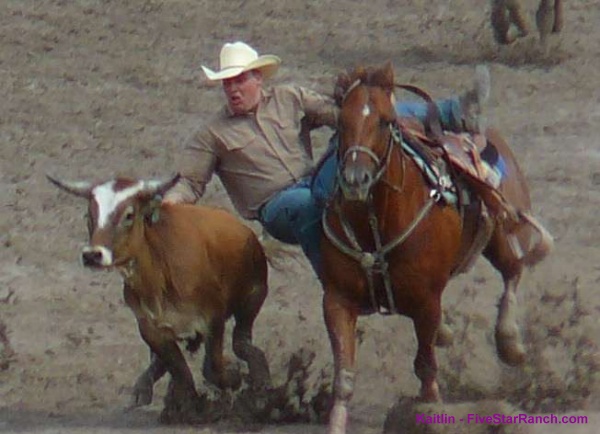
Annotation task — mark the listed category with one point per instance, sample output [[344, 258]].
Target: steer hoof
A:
[[142, 393], [232, 379]]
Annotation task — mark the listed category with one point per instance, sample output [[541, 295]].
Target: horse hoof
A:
[[509, 350], [338, 419], [445, 336], [430, 393]]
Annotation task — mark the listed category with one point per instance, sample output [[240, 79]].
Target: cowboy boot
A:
[[473, 101]]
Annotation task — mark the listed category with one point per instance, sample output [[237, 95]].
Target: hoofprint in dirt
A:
[[98, 88]]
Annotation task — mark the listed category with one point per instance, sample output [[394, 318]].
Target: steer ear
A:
[[152, 195], [78, 188]]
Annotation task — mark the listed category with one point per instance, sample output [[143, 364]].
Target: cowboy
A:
[[258, 144]]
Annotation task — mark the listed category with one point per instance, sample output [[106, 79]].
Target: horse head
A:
[[366, 126]]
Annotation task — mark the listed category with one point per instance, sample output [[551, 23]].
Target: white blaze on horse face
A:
[[108, 199], [366, 111]]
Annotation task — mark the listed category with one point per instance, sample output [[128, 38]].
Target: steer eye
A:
[[128, 217]]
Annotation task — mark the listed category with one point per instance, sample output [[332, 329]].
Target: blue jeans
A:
[[450, 114], [293, 216]]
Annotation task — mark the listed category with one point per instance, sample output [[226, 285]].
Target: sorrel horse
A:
[[392, 243]]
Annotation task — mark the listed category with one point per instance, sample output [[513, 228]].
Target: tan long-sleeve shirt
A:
[[258, 154]]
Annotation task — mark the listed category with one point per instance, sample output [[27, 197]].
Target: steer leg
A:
[[182, 391], [245, 314], [215, 368], [340, 320], [143, 388]]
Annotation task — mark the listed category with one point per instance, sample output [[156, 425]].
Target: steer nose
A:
[[95, 257], [92, 258]]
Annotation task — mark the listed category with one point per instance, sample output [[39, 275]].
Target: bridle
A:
[[374, 262], [381, 164]]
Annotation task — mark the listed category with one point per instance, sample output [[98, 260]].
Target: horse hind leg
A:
[[509, 343], [508, 260], [544, 244]]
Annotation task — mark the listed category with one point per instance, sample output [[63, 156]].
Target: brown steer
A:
[[186, 270]]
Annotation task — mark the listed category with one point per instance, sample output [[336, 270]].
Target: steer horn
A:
[[160, 187], [78, 188]]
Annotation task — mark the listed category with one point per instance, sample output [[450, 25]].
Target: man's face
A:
[[243, 92]]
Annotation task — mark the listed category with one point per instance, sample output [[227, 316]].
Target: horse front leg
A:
[[509, 344], [340, 320], [426, 324]]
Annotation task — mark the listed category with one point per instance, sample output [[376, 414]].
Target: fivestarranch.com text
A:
[[500, 419]]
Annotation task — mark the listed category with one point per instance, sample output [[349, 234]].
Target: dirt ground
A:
[[93, 88]]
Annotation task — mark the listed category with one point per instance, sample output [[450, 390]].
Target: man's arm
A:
[[197, 162], [320, 110]]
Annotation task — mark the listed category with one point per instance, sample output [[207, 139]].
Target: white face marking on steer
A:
[[108, 199]]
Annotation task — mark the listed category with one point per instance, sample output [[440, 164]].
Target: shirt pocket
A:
[[236, 140]]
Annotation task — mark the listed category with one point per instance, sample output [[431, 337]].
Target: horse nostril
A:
[[358, 176], [366, 178], [91, 258]]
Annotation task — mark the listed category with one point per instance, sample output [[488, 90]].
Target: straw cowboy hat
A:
[[238, 57]]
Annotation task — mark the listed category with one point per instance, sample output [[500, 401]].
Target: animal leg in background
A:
[[549, 18], [558, 16], [503, 14]]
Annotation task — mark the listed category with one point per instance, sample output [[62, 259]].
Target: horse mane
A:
[[382, 76]]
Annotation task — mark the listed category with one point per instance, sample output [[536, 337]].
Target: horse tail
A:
[[543, 246]]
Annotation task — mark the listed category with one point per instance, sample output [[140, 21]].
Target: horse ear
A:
[[388, 77], [341, 86]]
